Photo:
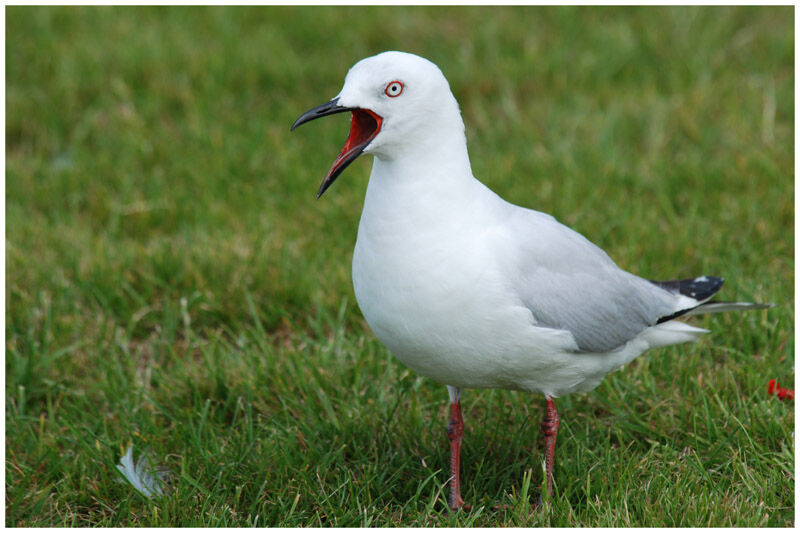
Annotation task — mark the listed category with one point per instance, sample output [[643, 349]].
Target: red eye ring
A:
[[394, 89]]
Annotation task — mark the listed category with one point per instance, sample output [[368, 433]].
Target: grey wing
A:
[[569, 283]]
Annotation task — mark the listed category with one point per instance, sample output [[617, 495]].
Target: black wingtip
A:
[[700, 289]]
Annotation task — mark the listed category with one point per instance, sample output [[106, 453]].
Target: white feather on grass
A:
[[141, 476]]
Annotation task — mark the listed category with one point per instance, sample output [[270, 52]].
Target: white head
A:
[[400, 103]]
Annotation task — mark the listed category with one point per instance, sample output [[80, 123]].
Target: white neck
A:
[[438, 159]]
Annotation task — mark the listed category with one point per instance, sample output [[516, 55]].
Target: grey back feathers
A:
[[577, 287]]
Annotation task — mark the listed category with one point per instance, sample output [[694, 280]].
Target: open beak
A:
[[364, 126]]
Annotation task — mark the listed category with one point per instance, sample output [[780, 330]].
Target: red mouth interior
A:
[[364, 126]]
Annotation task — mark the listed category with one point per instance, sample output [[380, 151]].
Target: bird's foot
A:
[[455, 502], [463, 506]]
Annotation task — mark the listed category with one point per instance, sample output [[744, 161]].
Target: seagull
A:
[[470, 290]]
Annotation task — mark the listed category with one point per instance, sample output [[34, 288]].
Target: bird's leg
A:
[[549, 430], [455, 430]]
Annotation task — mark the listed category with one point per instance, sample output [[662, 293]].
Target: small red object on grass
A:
[[773, 387]]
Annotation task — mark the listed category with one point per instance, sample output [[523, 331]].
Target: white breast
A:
[[413, 260]]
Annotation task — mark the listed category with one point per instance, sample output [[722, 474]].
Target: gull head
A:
[[400, 104]]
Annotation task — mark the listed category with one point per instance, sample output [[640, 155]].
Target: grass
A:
[[172, 283]]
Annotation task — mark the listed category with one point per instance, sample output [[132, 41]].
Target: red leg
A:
[[455, 430], [549, 430]]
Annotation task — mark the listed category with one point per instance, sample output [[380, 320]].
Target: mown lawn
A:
[[171, 282]]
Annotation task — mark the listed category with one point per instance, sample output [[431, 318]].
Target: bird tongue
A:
[[364, 126]]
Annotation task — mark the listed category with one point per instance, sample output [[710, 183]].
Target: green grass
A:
[[171, 281]]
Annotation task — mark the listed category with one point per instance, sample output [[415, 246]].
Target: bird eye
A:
[[394, 89]]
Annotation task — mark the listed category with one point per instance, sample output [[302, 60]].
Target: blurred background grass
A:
[[171, 281]]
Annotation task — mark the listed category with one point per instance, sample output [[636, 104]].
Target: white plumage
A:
[[466, 288]]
